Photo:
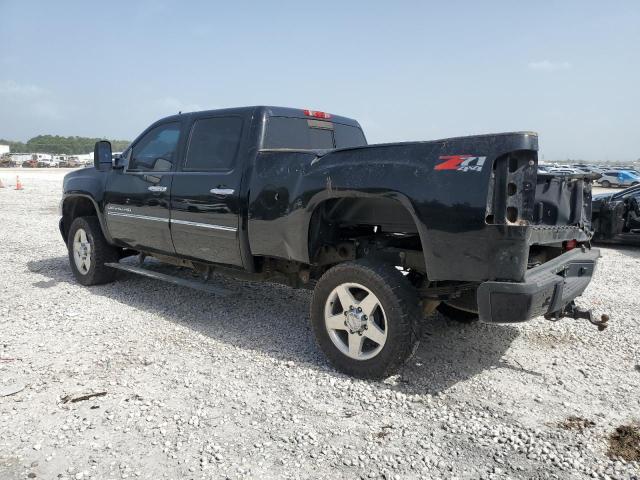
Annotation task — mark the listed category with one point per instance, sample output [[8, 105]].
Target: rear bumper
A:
[[546, 289]]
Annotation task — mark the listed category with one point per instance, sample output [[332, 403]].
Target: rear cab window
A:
[[310, 134]]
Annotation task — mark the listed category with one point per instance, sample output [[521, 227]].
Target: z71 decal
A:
[[461, 163]]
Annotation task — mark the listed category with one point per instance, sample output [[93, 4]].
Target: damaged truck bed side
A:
[[382, 233]]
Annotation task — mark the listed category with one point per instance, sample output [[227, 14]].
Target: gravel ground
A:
[[204, 387]]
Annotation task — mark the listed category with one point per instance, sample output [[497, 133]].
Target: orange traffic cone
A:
[[18, 183]]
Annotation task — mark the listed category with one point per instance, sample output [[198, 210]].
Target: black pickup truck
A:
[[383, 234], [616, 217]]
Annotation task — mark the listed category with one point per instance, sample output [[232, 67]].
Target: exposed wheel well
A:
[[74, 207], [354, 227]]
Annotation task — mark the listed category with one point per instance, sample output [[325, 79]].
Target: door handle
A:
[[157, 188], [222, 191]]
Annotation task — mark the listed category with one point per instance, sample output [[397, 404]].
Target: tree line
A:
[[60, 145]]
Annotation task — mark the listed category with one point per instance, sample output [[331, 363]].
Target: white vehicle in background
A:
[[42, 160], [48, 163], [566, 170], [620, 178]]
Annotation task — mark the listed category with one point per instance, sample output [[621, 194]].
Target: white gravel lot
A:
[[204, 387]]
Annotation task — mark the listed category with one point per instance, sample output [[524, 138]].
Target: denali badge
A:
[[461, 163], [112, 208]]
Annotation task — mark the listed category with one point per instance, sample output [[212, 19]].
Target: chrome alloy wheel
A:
[[82, 251], [355, 321]]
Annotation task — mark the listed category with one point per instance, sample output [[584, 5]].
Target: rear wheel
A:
[[89, 251], [457, 315], [366, 318], [605, 183]]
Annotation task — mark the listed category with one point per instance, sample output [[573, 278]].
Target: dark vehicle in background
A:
[[616, 217], [383, 234]]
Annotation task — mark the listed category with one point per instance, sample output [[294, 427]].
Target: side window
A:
[[156, 151], [213, 144], [348, 136]]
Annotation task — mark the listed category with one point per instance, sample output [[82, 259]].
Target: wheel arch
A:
[[392, 211], [79, 205]]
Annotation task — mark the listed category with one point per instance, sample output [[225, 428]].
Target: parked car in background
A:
[[587, 169], [616, 217], [6, 162], [69, 162], [44, 163], [33, 163], [619, 178], [565, 170], [74, 162]]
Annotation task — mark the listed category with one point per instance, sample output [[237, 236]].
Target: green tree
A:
[[60, 145]]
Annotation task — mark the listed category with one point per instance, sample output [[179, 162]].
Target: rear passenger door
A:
[[205, 207]]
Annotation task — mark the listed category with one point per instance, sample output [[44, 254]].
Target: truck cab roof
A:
[[265, 111], [282, 128]]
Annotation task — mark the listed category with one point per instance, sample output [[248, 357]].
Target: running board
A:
[[184, 282]]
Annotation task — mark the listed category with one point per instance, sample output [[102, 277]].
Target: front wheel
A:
[[89, 251], [366, 318], [605, 183]]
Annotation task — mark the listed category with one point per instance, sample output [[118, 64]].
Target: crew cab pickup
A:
[[383, 234]]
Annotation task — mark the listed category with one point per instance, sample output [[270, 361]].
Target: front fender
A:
[[89, 184]]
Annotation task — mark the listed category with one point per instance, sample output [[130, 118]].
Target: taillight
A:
[[569, 245], [316, 114]]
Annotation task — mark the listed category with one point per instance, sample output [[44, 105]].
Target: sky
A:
[[406, 70]]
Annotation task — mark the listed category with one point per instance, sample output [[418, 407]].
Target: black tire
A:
[[401, 310], [101, 253], [457, 315], [605, 183]]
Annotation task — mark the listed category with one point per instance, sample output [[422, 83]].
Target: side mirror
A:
[[102, 154], [116, 161]]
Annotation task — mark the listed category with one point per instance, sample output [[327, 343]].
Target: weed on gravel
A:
[[575, 423], [625, 443]]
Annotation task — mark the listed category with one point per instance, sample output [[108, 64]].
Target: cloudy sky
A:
[[569, 70]]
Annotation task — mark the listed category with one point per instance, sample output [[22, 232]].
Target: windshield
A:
[[308, 134]]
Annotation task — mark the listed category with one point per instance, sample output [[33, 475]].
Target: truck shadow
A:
[[630, 250], [273, 320]]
